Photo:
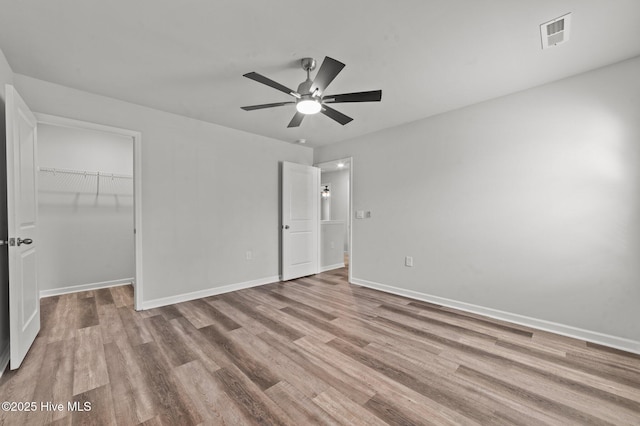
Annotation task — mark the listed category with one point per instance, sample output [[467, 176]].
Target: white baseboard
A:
[[84, 287], [5, 356], [553, 327], [164, 301], [331, 267]]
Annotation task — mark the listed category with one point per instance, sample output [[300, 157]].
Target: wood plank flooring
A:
[[312, 351]]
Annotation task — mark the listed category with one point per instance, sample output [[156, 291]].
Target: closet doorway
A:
[[335, 215], [88, 207]]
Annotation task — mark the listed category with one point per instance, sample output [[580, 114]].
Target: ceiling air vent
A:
[[555, 31]]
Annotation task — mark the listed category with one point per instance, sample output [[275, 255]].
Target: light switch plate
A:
[[360, 214]]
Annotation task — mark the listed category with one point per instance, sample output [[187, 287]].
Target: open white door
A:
[[300, 220], [22, 205]]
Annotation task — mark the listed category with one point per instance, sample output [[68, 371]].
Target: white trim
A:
[[350, 269], [332, 267], [5, 357], [55, 120], [137, 184], [137, 219], [84, 287], [316, 179], [553, 327], [164, 301]]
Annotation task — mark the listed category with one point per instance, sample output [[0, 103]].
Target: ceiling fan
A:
[[310, 98]]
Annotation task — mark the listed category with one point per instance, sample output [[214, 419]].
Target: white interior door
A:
[[300, 220], [22, 206]]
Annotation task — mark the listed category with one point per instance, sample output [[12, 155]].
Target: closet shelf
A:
[[84, 182], [84, 173]]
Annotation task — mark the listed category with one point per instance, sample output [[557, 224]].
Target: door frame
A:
[[350, 209], [137, 185]]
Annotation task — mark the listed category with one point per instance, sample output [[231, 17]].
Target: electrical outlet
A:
[[249, 255], [408, 261]]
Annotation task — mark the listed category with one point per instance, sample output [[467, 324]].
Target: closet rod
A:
[[84, 173]]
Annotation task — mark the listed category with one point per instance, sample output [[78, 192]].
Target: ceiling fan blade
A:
[[327, 72], [254, 107], [336, 115], [371, 96], [296, 120], [264, 80]]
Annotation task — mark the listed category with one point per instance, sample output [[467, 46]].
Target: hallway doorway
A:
[[335, 207]]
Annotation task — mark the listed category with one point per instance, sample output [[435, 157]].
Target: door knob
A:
[[286, 227], [25, 241]]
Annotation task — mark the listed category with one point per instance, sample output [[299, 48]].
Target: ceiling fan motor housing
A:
[[308, 103], [305, 87]]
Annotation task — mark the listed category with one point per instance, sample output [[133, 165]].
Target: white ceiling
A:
[[428, 57]]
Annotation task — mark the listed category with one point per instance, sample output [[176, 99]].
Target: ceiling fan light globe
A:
[[308, 106]]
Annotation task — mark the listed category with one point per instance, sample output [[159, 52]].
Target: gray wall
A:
[[209, 193], [85, 233], [527, 204], [6, 77]]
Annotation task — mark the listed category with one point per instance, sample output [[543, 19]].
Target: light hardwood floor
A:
[[312, 351]]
